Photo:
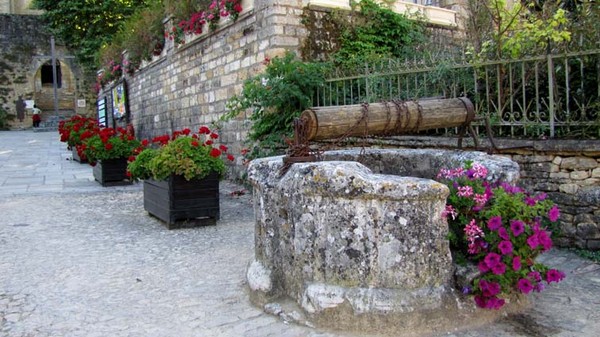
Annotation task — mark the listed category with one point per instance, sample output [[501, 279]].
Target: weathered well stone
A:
[[357, 249]]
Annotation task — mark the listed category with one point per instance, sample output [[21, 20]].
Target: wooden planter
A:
[[111, 172], [76, 156], [181, 203]]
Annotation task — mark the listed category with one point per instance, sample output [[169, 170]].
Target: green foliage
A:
[[276, 97], [181, 157], [139, 168], [85, 26], [142, 35], [588, 254], [377, 32], [515, 31], [109, 143], [184, 153]]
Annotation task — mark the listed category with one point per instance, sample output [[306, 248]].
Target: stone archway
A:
[[66, 88]]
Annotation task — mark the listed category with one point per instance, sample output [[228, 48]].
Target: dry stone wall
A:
[[573, 181]]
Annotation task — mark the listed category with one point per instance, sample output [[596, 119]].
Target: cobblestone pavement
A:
[[78, 259]]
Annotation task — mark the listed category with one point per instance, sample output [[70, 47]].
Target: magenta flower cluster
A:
[[195, 24], [502, 229]]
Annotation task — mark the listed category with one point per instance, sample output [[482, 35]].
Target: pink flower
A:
[[480, 199], [489, 289], [533, 241], [489, 302], [499, 269], [554, 275], [494, 223], [534, 275], [553, 213], [465, 191], [479, 171], [492, 259], [544, 239], [503, 233], [517, 227], [505, 247], [516, 263], [524, 286], [449, 210], [529, 201], [483, 267]]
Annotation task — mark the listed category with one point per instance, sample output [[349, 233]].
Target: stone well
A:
[[357, 241]]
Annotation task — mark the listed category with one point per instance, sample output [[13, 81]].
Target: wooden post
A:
[[388, 118]]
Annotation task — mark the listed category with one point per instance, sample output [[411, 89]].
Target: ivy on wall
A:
[[369, 32]]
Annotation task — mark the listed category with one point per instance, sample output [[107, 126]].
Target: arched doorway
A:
[[66, 87]]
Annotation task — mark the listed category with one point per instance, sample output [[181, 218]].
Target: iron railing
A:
[[545, 96]]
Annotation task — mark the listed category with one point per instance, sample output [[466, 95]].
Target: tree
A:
[[84, 26], [515, 31]]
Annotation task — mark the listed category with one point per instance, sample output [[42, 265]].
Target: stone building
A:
[[26, 66]]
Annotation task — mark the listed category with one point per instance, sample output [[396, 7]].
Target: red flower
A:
[[204, 130], [131, 158], [245, 151], [230, 157], [186, 131], [145, 142], [108, 146], [195, 143], [237, 7], [214, 135], [215, 153], [208, 142], [223, 148]]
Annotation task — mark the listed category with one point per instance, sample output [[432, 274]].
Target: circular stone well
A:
[[358, 242]]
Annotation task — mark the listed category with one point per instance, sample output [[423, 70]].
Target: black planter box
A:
[[76, 156], [181, 203], [112, 172]]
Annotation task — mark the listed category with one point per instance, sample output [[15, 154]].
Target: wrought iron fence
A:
[[545, 96]]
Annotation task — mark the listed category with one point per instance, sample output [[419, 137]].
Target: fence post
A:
[[551, 93]]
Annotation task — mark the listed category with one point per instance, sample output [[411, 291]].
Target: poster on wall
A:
[[119, 101], [101, 109]]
